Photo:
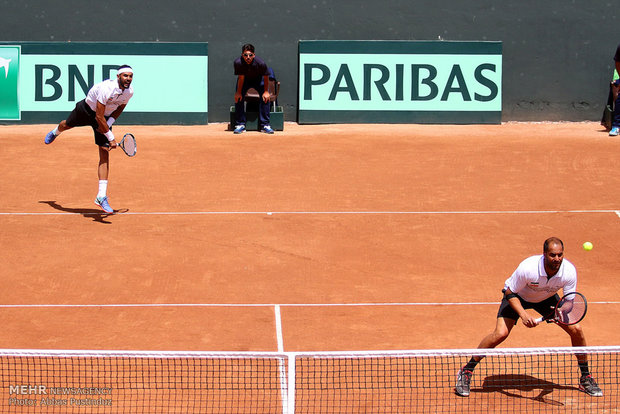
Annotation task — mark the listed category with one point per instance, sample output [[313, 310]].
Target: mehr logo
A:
[[9, 80]]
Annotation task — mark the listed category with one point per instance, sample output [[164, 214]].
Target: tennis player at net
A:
[[534, 285]]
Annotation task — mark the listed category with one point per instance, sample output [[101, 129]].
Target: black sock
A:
[[583, 366], [471, 365]]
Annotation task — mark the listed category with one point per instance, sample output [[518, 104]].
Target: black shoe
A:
[[589, 386]]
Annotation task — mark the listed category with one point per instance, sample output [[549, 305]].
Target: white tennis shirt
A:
[[530, 280], [109, 94]]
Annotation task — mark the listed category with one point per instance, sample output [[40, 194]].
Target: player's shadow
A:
[[91, 213], [523, 386]]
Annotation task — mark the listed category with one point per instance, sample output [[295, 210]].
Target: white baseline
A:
[[199, 213], [257, 305]]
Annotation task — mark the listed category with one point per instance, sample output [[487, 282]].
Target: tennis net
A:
[[507, 380]]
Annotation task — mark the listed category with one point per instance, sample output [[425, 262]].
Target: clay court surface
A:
[[381, 236]]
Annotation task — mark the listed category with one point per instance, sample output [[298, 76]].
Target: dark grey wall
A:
[[558, 54]]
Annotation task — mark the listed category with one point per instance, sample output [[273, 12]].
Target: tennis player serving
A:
[[103, 104], [534, 285]]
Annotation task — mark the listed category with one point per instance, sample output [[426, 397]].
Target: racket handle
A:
[[539, 320]]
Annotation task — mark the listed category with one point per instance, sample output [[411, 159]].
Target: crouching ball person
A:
[[102, 106], [534, 285], [251, 72]]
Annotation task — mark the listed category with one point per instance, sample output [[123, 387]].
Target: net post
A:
[[290, 409]]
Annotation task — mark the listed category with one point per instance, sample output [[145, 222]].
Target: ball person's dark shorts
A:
[[82, 115], [545, 308]]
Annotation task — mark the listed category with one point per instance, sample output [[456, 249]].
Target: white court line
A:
[[197, 213], [280, 341], [240, 305], [281, 364], [260, 305]]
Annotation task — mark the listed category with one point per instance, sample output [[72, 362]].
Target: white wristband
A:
[[109, 135], [110, 121]]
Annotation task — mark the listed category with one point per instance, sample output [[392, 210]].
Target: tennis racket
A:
[[128, 144], [570, 310]]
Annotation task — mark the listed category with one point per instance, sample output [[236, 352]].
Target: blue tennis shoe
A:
[[267, 129], [50, 137], [103, 203]]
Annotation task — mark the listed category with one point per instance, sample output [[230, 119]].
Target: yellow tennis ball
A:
[[588, 246]]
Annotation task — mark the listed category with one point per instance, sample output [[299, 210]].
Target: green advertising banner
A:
[[9, 81], [45, 80], [400, 82]]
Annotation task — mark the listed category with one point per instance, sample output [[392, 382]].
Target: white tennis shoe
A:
[[463, 381]]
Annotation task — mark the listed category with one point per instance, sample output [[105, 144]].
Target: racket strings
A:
[[128, 144], [571, 309]]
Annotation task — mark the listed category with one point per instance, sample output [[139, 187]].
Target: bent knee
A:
[[574, 330], [503, 334]]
